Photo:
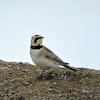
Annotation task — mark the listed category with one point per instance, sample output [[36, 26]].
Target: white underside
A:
[[41, 61]]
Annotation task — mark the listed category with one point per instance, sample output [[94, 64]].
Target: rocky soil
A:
[[23, 81]]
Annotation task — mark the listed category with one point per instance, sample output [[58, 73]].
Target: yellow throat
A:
[[38, 42]]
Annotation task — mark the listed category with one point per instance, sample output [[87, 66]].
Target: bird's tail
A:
[[65, 65]]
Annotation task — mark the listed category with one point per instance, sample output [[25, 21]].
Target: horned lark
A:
[[44, 57]]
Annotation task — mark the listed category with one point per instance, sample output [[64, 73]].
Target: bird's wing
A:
[[50, 55]]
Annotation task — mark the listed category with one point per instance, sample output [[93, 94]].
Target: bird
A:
[[44, 57]]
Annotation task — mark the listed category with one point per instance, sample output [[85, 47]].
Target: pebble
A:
[[10, 72], [65, 77], [54, 83], [85, 91], [50, 89], [26, 83], [60, 95], [20, 63], [13, 80], [46, 83], [23, 70]]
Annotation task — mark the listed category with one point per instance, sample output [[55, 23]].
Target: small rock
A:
[[85, 91], [1, 80], [60, 95], [54, 83], [50, 89], [23, 70], [9, 65], [10, 72], [12, 98], [13, 80], [26, 83], [19, 74], [53, 74], [65, 77], [46, 83], [62, 76], [20, 63]]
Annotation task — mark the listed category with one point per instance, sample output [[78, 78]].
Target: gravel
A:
[[23, 81]]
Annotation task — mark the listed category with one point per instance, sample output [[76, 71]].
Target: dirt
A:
[[23, 81]]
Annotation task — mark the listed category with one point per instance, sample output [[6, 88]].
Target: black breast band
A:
[[36, 47]]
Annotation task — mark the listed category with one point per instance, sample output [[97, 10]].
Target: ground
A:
[[23, 81]]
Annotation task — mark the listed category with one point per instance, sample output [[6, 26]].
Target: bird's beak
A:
[[42, 37]]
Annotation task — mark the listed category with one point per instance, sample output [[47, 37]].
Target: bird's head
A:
[[36, 40]]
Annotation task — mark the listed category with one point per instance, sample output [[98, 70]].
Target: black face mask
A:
[[37, 39]]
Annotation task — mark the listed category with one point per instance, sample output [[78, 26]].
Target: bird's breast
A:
[[40, 60]]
